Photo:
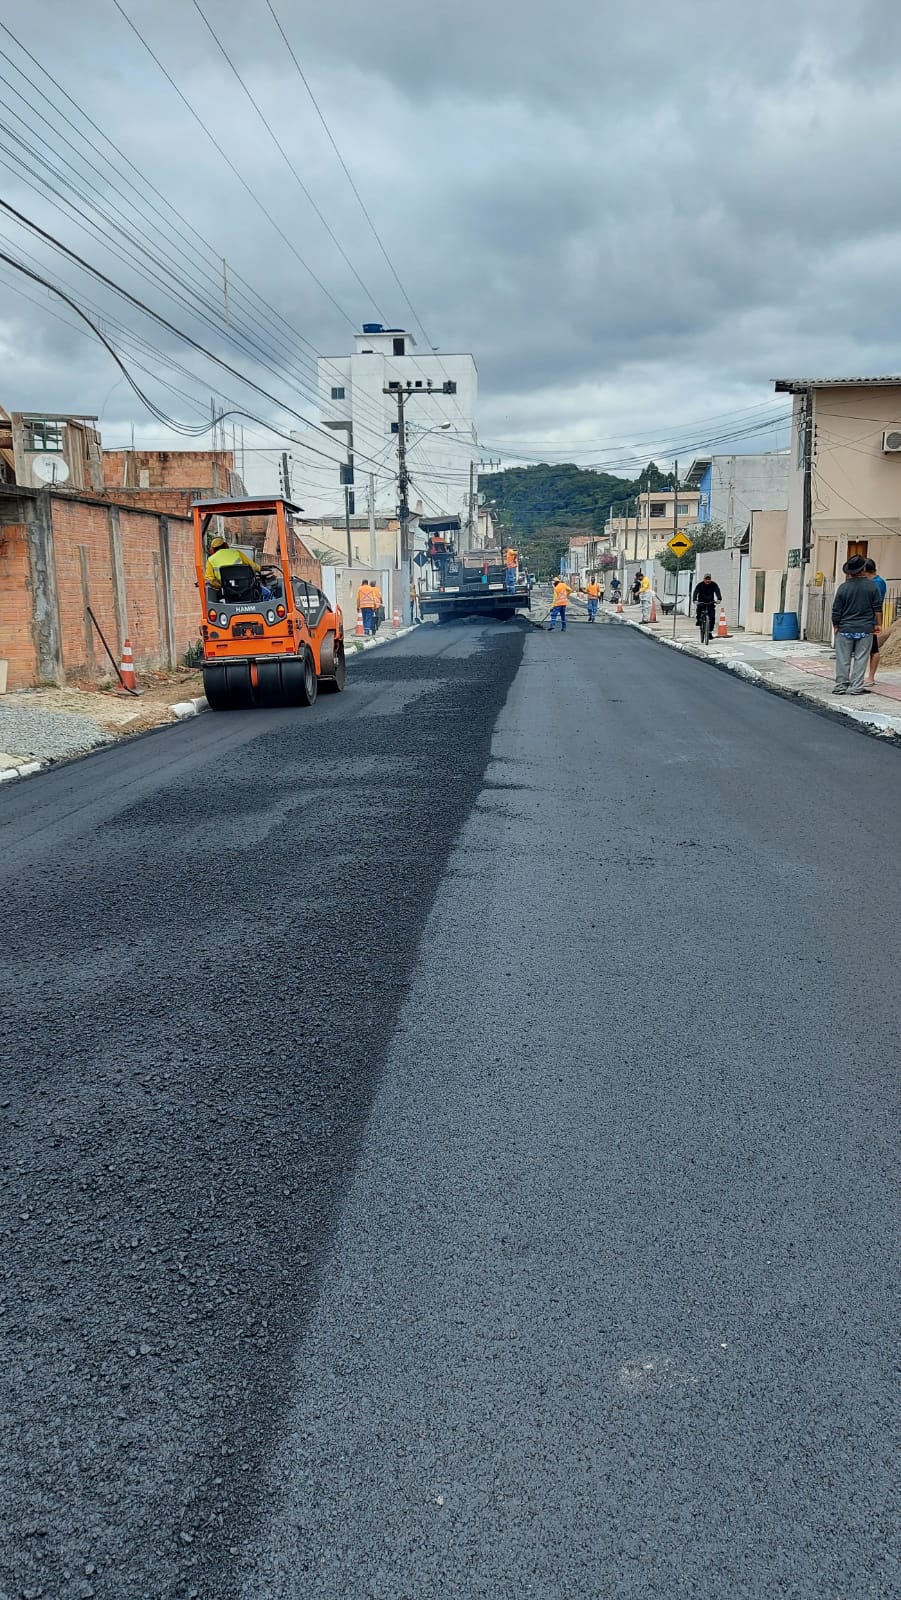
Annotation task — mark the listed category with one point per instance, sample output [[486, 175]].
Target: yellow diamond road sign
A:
[[679, 544]]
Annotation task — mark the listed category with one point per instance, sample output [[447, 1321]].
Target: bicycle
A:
[[705, 621]]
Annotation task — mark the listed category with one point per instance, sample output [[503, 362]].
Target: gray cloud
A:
[[631, 217]]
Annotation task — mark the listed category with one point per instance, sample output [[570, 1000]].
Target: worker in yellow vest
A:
[[366, 606], [594, 594], [562, 592]]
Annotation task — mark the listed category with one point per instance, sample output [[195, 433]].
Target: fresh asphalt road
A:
[[448, 1143]]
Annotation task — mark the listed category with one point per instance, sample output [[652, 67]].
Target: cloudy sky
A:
[[634, 217]]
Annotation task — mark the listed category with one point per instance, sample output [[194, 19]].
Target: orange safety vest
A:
[[365, 598], [594, 590], [376, 595], [561, 594]]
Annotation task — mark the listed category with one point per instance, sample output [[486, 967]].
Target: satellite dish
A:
[[50, 469]]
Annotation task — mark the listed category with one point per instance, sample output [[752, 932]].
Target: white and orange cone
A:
[[395, 620], [127, 679], [359, 630], [722, 632], [619, 604]]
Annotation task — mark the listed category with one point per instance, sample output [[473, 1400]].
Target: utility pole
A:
[[350, 553], [647, 553], [807, 506], [225, 287], [471, 515], [675, 531], [403, 481], [373, 542], [285, 475]]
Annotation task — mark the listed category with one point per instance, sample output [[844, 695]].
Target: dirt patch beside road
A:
[[53, 724]]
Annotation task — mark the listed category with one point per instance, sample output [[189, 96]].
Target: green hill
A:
[[539, 508]]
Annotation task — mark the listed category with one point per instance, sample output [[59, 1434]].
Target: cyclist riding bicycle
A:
[[707, 597]]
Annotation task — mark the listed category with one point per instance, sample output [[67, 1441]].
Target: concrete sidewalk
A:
[[797, 667]]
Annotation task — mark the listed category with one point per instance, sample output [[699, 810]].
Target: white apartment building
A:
[[439, 409]]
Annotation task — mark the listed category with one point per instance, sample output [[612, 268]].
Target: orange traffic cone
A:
[[722, 632], [128, 683], [653, 616], [619, 604], [359, 629], [395, 620]]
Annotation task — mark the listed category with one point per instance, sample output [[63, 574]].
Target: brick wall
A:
[[16, 642], [169, 469], [81, 545], [122, 579]]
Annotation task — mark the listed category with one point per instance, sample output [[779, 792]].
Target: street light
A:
[[440, 427]]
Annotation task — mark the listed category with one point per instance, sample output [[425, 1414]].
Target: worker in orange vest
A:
[[366, 605], [378, 614], [562, 592], [594, 594]]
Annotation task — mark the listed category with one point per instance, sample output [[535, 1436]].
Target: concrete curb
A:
[[189, 708], [353, 642], [876, 724], [25, 771]]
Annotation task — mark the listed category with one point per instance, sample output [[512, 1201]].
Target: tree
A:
[[710, 536]]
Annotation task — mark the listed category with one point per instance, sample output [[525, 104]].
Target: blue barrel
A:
[[785, 625]]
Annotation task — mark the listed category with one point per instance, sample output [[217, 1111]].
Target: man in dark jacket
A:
[[709, 595], [856, 616]]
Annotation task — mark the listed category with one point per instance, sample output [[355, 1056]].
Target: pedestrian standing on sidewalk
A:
[[614, 590], [594, 594], [562, 592], [636, 586], [646, 596], [856, 616], [414, 602], [880, 583]]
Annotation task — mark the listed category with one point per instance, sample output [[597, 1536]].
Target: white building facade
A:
[[731, 487], [441, 393]]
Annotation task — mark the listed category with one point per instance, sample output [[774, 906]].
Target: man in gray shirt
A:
[[856, 616]]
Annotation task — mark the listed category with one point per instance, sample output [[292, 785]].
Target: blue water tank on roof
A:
[[373, 327]]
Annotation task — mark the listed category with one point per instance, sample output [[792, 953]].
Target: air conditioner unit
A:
[[891, 442]]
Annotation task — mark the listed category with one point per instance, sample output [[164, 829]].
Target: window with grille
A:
[[338, 393], [42, 435]]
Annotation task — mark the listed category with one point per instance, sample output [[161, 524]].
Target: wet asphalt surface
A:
[[491, 1193]]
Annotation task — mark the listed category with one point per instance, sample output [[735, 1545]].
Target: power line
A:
[[344, 167], [157, 316], [363, 207], [284, 155], [232, 168], [273, 315]]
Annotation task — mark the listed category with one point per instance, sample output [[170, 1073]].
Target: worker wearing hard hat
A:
[[562, 592]]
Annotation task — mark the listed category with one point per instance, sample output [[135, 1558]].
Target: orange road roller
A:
[[270, 636]]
